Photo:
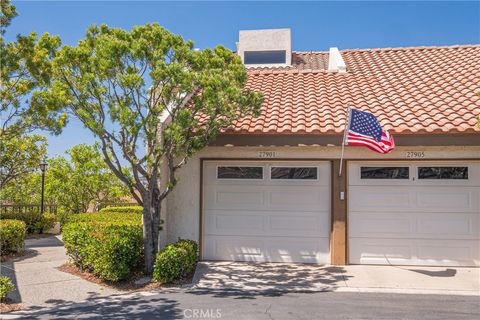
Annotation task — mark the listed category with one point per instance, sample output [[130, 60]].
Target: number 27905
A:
[[415, 154]]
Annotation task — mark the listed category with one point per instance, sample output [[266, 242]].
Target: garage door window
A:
[[294, 173], [240, 173], [443, 173], [384, 172]]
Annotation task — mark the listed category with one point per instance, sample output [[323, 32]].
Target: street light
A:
[[43, 167]]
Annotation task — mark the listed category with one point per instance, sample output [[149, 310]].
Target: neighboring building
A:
[[268, 189]]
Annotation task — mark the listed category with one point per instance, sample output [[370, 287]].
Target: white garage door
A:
[[414, 213], [267, 211]]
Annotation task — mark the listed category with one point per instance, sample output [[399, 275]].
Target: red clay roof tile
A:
[[410, 90]]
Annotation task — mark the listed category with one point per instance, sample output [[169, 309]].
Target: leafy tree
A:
[[72, 184], [20, 156], [154, 101], [24, 190], [25, 66]]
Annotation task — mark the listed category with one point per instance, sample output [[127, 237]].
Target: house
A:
[[269, 189]]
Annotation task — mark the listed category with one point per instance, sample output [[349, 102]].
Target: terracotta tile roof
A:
[[410, 90]]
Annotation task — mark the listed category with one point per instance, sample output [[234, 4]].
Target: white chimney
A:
[[335, 61], [268, 47]]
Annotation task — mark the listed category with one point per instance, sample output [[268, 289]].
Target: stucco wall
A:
[[183, 204]]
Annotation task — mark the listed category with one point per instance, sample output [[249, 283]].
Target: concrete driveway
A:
[[354, 278]]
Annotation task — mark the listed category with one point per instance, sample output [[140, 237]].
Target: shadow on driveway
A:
[[439, 273], [245, 280]]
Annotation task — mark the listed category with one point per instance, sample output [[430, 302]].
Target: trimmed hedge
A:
[[101, 217], [6, 286], [176, 261], [35, 221], [125, 209], [110, 248], [12, 235]]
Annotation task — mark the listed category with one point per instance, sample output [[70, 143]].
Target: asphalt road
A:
[[238, 305]]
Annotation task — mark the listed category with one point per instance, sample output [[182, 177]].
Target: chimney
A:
[[265, 48], [335, 61]]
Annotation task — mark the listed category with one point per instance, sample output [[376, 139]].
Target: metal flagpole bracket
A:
[[347, 125]]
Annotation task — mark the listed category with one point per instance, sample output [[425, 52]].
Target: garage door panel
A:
[[423, 225], [384, 198], [298, 250], [448, 251], [431, 218], [448, 199], [231, 197], [284, 218], [300, 224], [265, 223], [225, 223], [305, 198], [378, 251], [261, 249], [414, 199], [380, 225], [234, 248], [449, 226], [414, 252]]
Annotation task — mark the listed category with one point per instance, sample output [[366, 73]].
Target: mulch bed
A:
[[14, 255], [128, 285], [8, 306]]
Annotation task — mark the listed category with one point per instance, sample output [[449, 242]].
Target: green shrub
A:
[[47, 222], [63, 216], [109, 249], [176, 261], [101, 217], [35, 221], [126, 209], [6, 286], [12, 235]]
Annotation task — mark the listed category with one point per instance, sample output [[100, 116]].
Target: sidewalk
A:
[[38, 282]]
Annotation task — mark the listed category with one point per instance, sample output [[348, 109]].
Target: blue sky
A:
[[315, 26]]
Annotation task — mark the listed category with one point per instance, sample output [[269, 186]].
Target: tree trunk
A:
[[151, 228]]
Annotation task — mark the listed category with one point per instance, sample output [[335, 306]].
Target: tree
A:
[[74, 184], [20, 156], [154, 101], [25, 68]]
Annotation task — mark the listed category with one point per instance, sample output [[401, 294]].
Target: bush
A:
[[12, 235], [101, 217], [109, 249], [35, 221], [6, 286], [126, 209], [176, 261]]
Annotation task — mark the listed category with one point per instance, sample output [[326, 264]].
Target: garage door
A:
[[267, 211], [414, 213]]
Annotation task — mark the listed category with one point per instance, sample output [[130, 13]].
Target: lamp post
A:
[[43, 167]]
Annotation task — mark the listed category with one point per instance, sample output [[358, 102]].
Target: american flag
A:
[[364, 130]]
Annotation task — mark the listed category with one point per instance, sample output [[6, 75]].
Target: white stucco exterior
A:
[[182, 217]]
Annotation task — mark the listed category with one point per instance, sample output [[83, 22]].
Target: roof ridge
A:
[[397, 48]]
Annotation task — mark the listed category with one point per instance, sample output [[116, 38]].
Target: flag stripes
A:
[[385, 145]]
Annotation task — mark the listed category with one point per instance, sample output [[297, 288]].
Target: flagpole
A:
[[347, 123]]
